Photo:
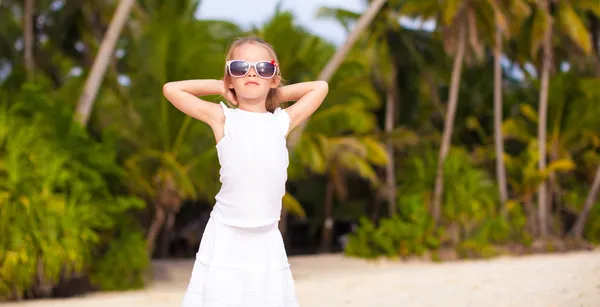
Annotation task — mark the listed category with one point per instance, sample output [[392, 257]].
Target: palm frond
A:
[[293, 205]]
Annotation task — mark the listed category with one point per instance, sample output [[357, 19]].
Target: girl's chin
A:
[[253, 95]]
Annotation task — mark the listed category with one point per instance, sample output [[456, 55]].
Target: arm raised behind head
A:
[[183, 95], [308, 97]]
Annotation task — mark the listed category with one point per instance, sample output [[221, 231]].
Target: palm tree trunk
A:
[[328, 224], [339, 56], [448, 125], [390, 119], [554, 192], [595, 35], [361, 25], [542, 123], [28, 37], [500, 168], [157, 223], [101, 62], [577, 230], [376, 206], [531, 224], [166, 235]]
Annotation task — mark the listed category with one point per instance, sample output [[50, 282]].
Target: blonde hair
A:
[[271, 102]]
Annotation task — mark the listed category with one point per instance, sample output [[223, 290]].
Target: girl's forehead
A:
[[252, 52]]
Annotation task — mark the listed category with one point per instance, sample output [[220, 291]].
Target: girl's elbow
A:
[[170, 89], [323, 85]]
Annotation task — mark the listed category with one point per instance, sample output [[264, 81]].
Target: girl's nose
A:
[[252, 72]]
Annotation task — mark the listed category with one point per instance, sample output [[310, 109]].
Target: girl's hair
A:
[[271, 102]]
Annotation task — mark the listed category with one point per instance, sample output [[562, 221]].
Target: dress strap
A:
[[226, 109], [227, 112]]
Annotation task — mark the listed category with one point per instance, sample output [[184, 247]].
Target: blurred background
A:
[[452, 129]]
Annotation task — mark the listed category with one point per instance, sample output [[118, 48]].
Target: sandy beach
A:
[[553, 280]]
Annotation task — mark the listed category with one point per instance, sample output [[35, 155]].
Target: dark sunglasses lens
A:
[[238, 68], [265, 69]]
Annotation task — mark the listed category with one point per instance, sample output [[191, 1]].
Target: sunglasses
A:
[[264, 69]]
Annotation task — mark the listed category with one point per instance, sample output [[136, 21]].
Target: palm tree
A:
[[572, 124], [340, 138], [384, 60], [344, 122], [28, 36], [10, 32], [595, 34], [390, 119], [101, 62], [498, 140], [169, 157], [526, 177], [577, 230], [342, 156], [65, 29], [459, 23], [520, 11], [543, 113], [384, 42], [338, 57], [448, 123], [567, 22]]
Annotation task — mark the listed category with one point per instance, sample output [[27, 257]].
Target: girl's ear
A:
[[227, 82], [275, 81]]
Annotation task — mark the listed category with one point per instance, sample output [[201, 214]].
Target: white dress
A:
[[242, 261]]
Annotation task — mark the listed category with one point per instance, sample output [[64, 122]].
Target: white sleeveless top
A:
[[254, 160]]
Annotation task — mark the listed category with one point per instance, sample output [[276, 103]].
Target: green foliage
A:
[[471, 219], [496, 230], [592, 227], [58, 210], [410, 232], [127, 244], [574, 200], [158, 140]]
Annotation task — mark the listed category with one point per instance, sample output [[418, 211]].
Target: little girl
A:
[[242, 259]]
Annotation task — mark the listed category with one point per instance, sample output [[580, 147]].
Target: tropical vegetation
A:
[[478, 135]]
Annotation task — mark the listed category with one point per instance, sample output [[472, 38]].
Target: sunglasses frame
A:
[[252, 64]]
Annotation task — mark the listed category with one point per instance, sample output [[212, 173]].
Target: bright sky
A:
[[255, 12]]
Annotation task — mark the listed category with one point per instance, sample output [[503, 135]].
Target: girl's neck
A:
[[252, 105]]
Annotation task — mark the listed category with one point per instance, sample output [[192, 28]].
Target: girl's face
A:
[[253, 86]]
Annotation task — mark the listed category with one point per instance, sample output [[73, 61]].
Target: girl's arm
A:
[[182, 94], [308, 97]]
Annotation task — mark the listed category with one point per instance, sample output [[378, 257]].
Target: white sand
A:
[[557, 280]]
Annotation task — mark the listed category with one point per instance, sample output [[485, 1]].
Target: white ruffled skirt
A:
[[241, 267]]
